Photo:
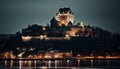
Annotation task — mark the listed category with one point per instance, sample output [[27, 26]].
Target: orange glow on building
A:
[[54, 54], [8, 54], [64, 16], [26, 38]]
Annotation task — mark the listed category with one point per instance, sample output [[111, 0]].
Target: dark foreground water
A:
[[60, 64]]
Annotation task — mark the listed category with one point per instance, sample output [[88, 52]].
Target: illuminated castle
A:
[[63, 18]]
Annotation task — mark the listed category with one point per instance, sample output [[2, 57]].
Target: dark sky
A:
[[17, 14]]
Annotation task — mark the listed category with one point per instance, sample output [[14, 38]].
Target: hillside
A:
[[105, 43]]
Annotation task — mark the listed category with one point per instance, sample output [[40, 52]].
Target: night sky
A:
[[17, 14]]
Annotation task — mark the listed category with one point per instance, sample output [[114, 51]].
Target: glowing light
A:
[[100, 57], [42, 36], [20, 54], [32, 49], [49, 63], [90, 57], [81, 24], [29, 63], [26, 38], [78, 55], [68, 61], [11, 63], [78, 63], [47, 56], [43, 28], [56, 56], [8, 54], [5, 62], [43, 67], [113, 57], [91, 61], [18, 48], [20, 64]]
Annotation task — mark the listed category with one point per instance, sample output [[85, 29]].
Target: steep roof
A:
[[65, 10]]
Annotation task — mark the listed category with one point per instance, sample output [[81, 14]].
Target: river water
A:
[[61, 64]]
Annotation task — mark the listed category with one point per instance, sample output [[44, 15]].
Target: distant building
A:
[[54, 54], [64, 16], [8, 54]]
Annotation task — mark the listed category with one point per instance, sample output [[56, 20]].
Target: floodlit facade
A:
[[64, 16], [8, 54]]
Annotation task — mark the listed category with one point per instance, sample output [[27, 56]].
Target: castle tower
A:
[[81, 24], [53, 22], [64, 16]]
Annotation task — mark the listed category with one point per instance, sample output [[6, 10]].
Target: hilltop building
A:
[[64, 17]]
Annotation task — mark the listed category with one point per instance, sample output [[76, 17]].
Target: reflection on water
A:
[[49, 63], [67, 64], [35, 64], [5, 63], [11, 63], [78, 62], [91, 62]]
